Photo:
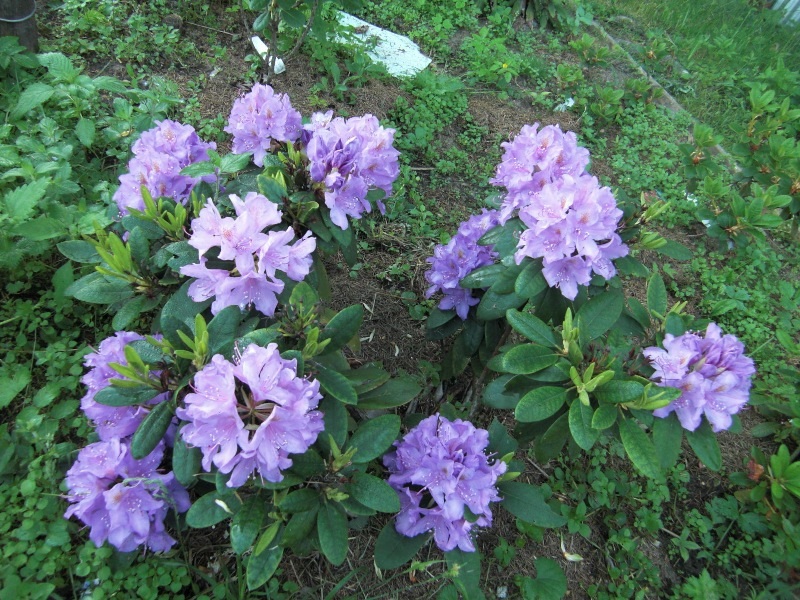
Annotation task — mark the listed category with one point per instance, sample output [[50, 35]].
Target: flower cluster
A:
[[258, 256], [533, 159], [453, 261], [349, 157], [439, 469], [252, 415], [571, 220], [121, 499], [258, 118], [111, 421], [159, 155], [712, 372]]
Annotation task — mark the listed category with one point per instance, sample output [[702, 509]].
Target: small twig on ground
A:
[[210, 28]]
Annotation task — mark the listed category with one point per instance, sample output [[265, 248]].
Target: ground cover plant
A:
[[505, 329]]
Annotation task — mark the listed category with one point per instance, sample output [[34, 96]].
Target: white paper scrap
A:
[[400, 56]]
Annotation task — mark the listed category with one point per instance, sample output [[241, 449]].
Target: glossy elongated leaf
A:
[[231, 163], [640, 449], [79, 251], [374, 437], [96, 288], [186, 462], [209, 510], [639, 312], [532, 328], [705, 445], [334, 414], [367, 378], [620, 390], [657, 295], [494, 305], [500, 442], [179, 313], [247, 522], [395, 392], [503, 238], [152, 430], [597, 315], [342, 328], [540, 404], [335, 384], [374, 493], [667, 436], [527, 358], [301, 500], [222, 331], [299, 527], [261, 567], [526, 502], [549, 445], [482, 277], [393, 550], [332, 532], [605, 416], [496, 396], [123, 396], [439, 317], [580, 425], [531, 282], [507, 278]]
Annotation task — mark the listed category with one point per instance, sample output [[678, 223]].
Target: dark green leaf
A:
[[207, 511], [342, 328], [667, 436], [222, 330], [605, 416], [99, 289], [704, 444], [530, 283], [550, 582], [527, 502], [374, 437], [395, 392], [332, 531], [527, 358], [335, 416], [482, 277], [393, 550], [302, 500], [437, 318], [299, 527], [540, 404], [261, 567], [657, 295], [336, 385], [549, 445], [79, 251], [374, 493], [500, 442], [199, 169], [617, 391], [468, 579], [232, 163], [580, 425], [367, 378], [178, 314], [247, 522], [185, 462], [598, 315], [123, 396], [532, 328], [494, 306], [152, 430], [640, 449], [675, 250], [496, 396]]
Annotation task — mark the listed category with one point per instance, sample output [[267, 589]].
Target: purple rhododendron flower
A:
[[258, 256], [712, 372], [159, 155], [534, 158], [438, 469], [571, 225], [252, 415], [350, 157], [258, 118], [112, 421], [121, 499], [455, 260]]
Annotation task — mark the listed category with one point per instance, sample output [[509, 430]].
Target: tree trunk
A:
[[17, 18]]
